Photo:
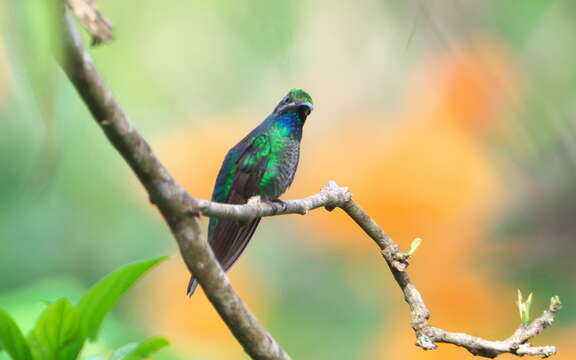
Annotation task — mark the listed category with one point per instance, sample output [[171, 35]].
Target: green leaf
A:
[[524, 307], [12, 340], [136, 351], [102, 297], [57, 334], [414, 246]]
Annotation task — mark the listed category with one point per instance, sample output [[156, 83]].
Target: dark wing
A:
[[229, 238], [242, 171]]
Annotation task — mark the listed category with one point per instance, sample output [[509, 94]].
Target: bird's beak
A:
[[305, 108], [308, 107]]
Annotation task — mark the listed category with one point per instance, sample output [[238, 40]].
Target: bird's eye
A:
[[286, 99]]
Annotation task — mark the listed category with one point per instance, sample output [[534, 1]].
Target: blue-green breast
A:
[[281, 149], [285, 135]]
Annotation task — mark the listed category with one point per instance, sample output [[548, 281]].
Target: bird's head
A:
[[296, 101]]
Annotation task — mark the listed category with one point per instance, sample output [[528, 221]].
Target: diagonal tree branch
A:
[[181, 211]]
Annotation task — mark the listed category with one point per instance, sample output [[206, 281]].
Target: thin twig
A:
[[427, 336], [181, 211]]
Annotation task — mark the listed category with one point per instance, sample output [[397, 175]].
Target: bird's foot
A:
[[279, 205]]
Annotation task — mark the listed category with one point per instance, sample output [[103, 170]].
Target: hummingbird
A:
[[262, 164]]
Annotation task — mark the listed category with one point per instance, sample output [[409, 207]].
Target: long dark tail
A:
[[228, 241]]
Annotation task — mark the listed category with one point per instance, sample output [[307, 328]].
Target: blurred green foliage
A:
[[62, 329], [540, 143]]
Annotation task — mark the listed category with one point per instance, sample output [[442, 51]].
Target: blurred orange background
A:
[[435, 116]]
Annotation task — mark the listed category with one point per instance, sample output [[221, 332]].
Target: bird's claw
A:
[[279, 205]]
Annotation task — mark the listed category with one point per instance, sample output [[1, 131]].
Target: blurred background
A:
[[452, 120]]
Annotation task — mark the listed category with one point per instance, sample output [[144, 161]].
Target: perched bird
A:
[[262, 164]]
